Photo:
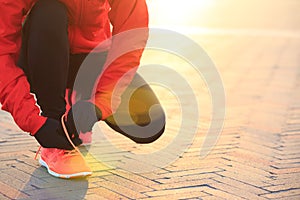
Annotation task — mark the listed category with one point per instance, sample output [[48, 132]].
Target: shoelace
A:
[[66, 152], [69, 153], [37, 152]]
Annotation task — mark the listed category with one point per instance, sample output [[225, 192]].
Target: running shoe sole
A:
[[65, 176]]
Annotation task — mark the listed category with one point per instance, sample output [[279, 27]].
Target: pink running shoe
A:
[[64, 164]]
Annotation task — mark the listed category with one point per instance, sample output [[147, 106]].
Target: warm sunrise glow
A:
[[175, 12]]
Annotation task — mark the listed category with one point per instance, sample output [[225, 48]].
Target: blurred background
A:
[[193, 15]]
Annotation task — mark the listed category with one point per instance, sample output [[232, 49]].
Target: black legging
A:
[[50, 69]]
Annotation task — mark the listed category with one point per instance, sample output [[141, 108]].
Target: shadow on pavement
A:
[[44, 186]]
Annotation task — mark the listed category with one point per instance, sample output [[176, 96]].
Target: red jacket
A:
[[89, 25]]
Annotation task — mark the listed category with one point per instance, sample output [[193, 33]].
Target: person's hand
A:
[[82, 117], [50, 136]]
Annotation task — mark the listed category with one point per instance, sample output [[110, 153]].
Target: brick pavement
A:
[[256, 156]]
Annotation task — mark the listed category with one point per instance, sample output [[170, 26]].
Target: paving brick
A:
[[106, 193], [11, 192], [181, 195], [257, 181], [285, 177], [15, 183], [139, 187], [249, 164], [221, 194], [7, 164], [293, 197], [15, 173], [12, 155], [189, 169], [244, 186], [232, 165], [53, 182], [96, 197], [137, 178], [182, 192], [286, 165], [57, 193], [187, 178], [3, 197], [121, 190], [286, 170], [286, 186], [232, 189], [283, 194], [191, 183], [201, 167]]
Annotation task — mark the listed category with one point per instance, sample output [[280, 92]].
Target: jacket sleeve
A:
[[129, 19], [15, 94]]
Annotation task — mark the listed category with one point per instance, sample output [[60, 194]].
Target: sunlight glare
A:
[[175, 12]]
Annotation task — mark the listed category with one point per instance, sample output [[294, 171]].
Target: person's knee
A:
[[141, 131], [159, 130], [154, 129]]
